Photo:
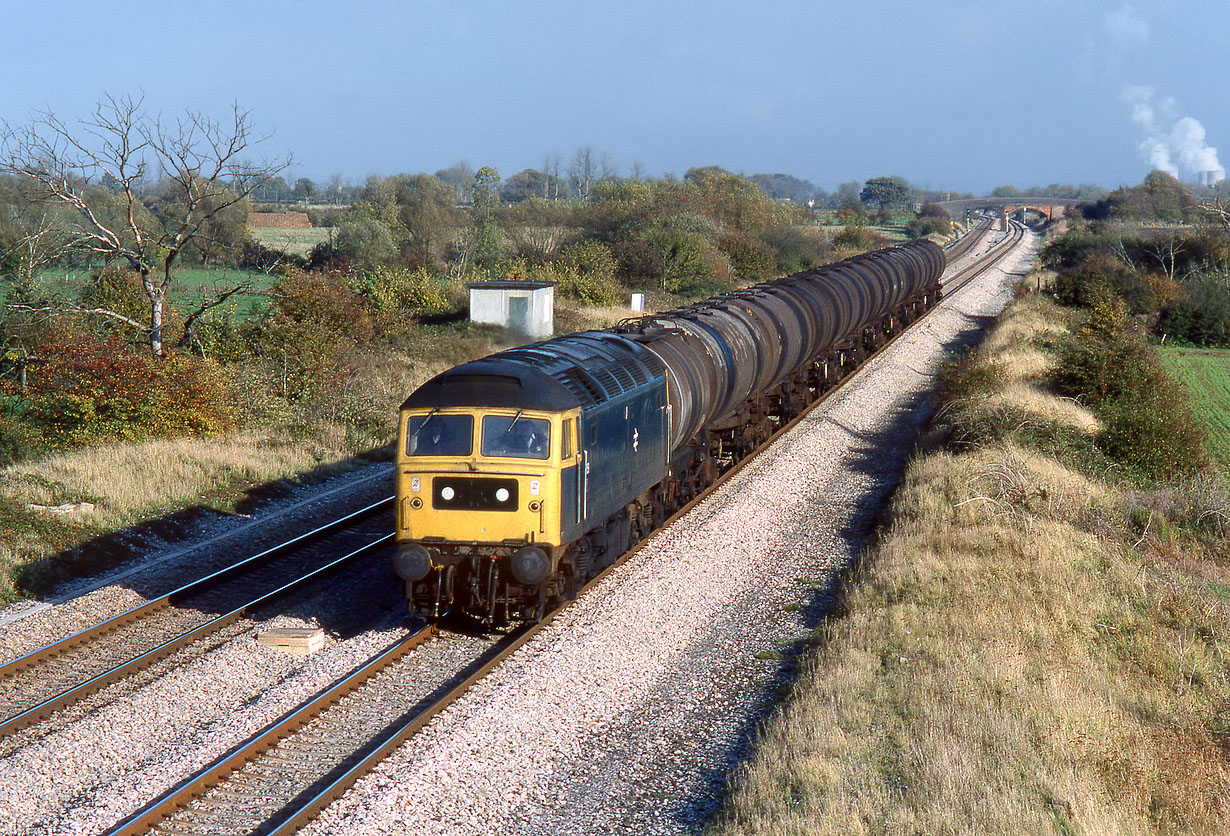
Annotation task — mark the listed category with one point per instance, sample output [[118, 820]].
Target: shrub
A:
[[588, 274], [315, 320], [685, 257], [1201, 315], [859, 238], [399, 288], [930, 225], [750, 260], [1069, 250], [87, 391], [797, 248], [118, 290], [1154, 432], [18, 439], [1147, 423], [1099, 278], [640, 264]]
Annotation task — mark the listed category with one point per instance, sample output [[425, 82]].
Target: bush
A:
[[1201, 315], [588, 274], [315, 322], [1100, 278], [797, 248], [399, 288], [1154, 432], [119, 290], [1069, 250], [87, 391], [685, 256], [750, 260], [921, 227], [1147, 422], [18, 439], [859, 238], [640, 264]]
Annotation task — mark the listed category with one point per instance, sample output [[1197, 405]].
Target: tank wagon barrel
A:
[[523, 474], [721, 352]]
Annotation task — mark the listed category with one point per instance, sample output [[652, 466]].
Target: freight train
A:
[[522, 475]]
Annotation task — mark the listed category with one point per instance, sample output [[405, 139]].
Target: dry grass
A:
[[1027, 650], [130, 483], [1034, 399]]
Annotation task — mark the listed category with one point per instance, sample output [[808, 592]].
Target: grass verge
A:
[[1033, 646]]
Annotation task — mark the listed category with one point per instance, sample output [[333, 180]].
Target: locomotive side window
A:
[[440, 435], [516, 436], [565, 444]]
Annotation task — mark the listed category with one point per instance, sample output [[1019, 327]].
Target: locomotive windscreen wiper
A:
[[513, 422], [423, 423]]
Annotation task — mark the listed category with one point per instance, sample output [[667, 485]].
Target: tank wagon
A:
[[521, 475]]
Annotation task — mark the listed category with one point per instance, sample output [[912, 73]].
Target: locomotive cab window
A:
[[439, 435], [516, 436], [565, 442]]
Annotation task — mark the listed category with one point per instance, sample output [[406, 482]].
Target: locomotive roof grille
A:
[[623, 377], [581, 385]]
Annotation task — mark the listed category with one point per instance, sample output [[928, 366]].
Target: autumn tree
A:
[[427, 213], [122, 145]]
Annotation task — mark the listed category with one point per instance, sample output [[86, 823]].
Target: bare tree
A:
[[38, 245], [97, 169], [581, 171], [553, 174], [608, 168], [1218, 209], [1166, 252]]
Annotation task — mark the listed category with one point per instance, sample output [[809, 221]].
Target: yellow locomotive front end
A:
[[479, 499], [478, 477]]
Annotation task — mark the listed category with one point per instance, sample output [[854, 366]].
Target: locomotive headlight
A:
[[447, 493], [501, 494]]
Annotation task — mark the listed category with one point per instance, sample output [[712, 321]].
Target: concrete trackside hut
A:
[[525, 307]]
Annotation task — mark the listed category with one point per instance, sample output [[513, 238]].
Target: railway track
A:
[[998, 252], [41, 682], [282, 777], [966, 243]]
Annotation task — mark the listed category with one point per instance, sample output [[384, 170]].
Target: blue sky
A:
[[951, 95]]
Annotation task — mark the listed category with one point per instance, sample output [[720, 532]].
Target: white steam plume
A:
[[1169, 142]]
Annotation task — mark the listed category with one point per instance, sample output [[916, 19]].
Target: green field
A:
[[193, 285], [1206, 374], [293, 241]]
